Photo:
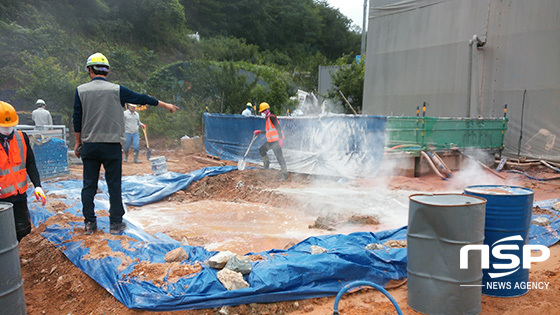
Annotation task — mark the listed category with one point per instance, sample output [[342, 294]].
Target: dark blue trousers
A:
[[93, 156]]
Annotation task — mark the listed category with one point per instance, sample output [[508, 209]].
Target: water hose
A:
[[545, 163], [364, 283], [432, 165], [444, 165], [532, 177], [440, 164], [409, 146]]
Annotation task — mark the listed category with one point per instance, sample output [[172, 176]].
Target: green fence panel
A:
[[446, 132]]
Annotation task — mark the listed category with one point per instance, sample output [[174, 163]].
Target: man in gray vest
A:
[[41, 116], [99, 132]]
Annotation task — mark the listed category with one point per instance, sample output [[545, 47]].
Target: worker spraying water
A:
[[274, 140]]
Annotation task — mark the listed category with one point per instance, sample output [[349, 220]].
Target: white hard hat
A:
[[133, 105], [40, 102]]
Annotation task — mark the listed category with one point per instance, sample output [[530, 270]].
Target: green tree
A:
[[47, 79], [350, 81]]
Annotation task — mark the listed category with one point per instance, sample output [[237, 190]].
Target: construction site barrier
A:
[[446, 132], [49, 147], [333, 145]]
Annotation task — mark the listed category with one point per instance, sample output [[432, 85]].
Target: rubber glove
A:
[[281, 142], [40, 194], [256, 132]]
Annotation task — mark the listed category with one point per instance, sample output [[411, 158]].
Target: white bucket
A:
[[159, 166]]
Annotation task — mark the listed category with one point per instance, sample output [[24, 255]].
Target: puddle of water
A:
[[247, 227], [389, 207], [237, 227]]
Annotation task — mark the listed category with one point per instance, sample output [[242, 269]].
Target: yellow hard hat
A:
[[97, 59], [249, 104], [8, 115], [263, 106]]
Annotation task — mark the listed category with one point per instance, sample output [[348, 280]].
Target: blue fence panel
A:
[[335, 145], [51, 157]]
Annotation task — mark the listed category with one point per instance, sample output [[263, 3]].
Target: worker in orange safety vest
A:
[[274, 140], [17, 161]]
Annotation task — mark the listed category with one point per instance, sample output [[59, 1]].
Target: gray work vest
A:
[[102, 112]]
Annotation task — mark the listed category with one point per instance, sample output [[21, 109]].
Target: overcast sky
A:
[[353, 9]]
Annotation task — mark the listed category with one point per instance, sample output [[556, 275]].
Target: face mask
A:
[[6, 130], [263, 115]]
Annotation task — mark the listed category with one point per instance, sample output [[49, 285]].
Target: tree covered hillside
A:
[[149, 43]]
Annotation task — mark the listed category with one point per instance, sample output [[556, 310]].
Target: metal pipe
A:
[[363, 48]]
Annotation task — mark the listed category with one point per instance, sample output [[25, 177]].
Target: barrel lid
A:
[[447, 200], [498, 190]]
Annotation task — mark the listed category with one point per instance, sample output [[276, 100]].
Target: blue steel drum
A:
[[508, 214]]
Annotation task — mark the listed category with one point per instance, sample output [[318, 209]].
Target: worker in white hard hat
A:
[[99, 131], [41, 116], [17, 163], [131, 124]]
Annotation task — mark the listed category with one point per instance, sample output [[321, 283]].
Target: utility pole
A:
[[363, 48]]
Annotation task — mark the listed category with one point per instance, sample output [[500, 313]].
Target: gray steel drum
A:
[[439, 225], [12, 297]]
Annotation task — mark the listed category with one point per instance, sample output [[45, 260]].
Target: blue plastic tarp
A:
[[333, 145], [282, 275], [142, 190], [546, 235]]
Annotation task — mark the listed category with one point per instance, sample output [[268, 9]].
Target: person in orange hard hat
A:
[[17, 161], [274, 140]]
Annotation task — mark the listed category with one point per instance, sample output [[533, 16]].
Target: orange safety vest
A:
[[13, 173], [271, 132]]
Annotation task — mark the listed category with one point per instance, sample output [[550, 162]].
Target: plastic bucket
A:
[[439, 225], [158, 164], [12, 297], [508, 213]]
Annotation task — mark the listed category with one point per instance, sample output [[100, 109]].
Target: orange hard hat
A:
[[8, 115]]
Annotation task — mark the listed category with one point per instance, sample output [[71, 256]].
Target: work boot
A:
[[116, 228], [125, 157], [284, 172], [136, 157], [266, 162], [90, 228]]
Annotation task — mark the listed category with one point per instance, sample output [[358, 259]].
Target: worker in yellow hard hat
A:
[[247, 111], [274, 140], [17, 162], [99, 130]]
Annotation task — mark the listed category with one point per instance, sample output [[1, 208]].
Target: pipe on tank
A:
[[473, 89]]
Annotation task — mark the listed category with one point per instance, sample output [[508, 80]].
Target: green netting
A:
[[445, 132]]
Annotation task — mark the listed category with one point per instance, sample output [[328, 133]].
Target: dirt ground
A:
[[53, 285]]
